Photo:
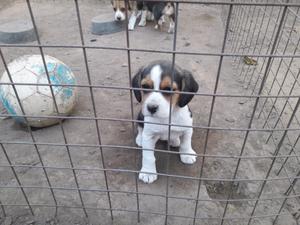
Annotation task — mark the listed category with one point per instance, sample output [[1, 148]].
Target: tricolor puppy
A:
[[160, 11], [156, 11], [154, 78]]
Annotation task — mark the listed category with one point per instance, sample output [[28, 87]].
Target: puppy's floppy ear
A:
[[188, 84], [136, 83]]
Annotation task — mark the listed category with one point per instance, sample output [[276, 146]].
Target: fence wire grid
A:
[[84, 170]]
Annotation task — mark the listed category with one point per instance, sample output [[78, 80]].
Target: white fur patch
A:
[[119, 15], [155, 75]]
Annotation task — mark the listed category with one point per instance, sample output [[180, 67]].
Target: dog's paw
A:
[[156, 27], [142, 23], [188, 159], [130, 26], [138, 140], [171, 30], [150, 16], [175, 142], [147, 177]]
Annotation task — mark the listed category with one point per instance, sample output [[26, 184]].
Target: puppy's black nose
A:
[[152, 108], [118, 18]]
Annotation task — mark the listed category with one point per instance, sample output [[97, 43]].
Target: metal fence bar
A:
[[93, 102], [156, 213], [175, 125], [55, 103], [212, 107], [131, 107], [129, 148], [170, 109], [159, 174], [149, 50], [160, 91], [240, 200]]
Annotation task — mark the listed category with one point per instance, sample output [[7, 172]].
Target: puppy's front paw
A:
[[150, 16], [188, 159], [171, 30], [142, 23], [130, 26], [147, 177]]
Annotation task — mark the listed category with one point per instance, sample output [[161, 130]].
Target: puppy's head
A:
[[120, 8], [158, 76], [169, 9]]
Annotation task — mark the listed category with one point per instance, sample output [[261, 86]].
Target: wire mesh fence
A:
[[85, 170]]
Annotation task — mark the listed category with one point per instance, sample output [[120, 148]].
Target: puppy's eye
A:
[[122, 9], [146, 86], [167, 89], [115, 9]]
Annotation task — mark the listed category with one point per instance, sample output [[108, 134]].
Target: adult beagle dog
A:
[[157, 11], [153, 79]]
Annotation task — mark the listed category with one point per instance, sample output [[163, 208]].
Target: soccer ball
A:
[[36, 99]]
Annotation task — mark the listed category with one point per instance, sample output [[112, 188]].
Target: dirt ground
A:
[[200, 28]]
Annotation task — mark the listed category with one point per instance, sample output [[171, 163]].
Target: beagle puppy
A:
[[153, 78], [157, 11]]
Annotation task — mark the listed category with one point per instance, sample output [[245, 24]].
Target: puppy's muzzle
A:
[[152, 108]]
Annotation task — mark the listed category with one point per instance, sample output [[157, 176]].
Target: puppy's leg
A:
[[172, 25], [148, 164], [139, 138], [175, 142], [150, 16], [186, 147], [160, 22], [142, 22], [132, 19]]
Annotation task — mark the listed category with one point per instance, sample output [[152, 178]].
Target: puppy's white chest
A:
[[179, 120]]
